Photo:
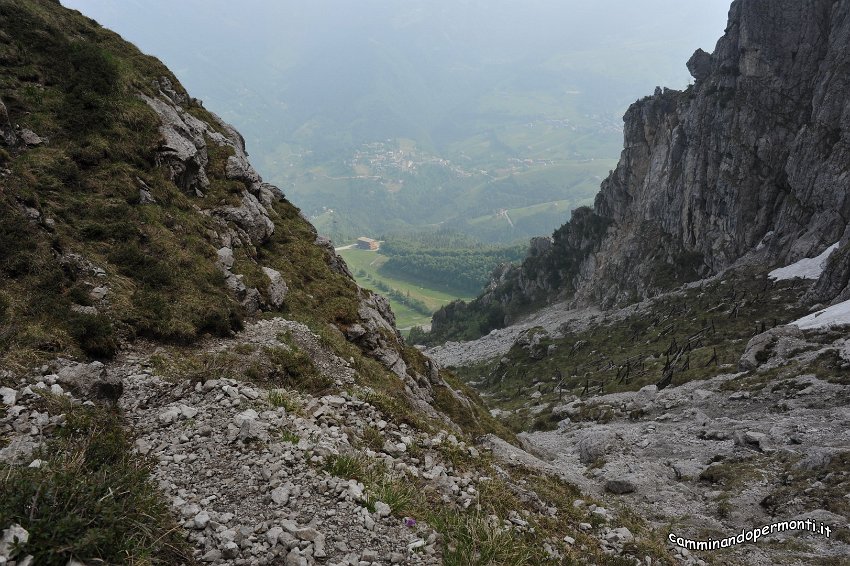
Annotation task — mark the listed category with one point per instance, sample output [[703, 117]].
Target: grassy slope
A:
[[76, 84]]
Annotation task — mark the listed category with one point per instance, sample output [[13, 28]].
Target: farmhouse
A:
[[364, 243]]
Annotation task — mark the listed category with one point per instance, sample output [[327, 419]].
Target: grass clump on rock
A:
[[91, 498]]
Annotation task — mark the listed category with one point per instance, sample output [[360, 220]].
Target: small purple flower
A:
[[409, 522]]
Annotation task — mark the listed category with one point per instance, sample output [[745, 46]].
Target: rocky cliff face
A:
[[751, 160], [756, 152]]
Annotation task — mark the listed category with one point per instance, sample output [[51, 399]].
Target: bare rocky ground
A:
[[704, 458], [265, 476], [499, 341]]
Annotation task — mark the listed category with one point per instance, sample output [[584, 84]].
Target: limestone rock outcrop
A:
[[184, 152]]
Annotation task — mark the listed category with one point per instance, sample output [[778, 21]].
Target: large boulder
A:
[[594, 445], [91, 381], [277, 288], [699, 65], [762, 347]]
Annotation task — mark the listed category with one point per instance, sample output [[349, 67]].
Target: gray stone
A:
[[145, 193], [211, 555], [620, 486], [15, 535], [8, 395], [277, 288], [294, 558], [752, 437], [699, 65], [815, 460], [760, 346], [225, 258], [91, 381], [201, 520], [310, 534], [251, 216], [229, 550], [280, 495], [30, 138], [273, 534], [621, 535], [593, 446], [253, 430]]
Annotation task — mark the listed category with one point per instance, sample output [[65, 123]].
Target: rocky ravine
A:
[[710, 457], [249, 471]]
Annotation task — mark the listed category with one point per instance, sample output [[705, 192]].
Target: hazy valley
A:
[[482, 294]]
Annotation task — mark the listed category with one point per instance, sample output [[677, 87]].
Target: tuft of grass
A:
[[282, 398], [373, 438], [294, 368], [347, 467], [92, 499], [394, 490], [288, 436], [473, 541]]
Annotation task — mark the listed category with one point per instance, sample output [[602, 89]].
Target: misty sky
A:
[[239, 53]]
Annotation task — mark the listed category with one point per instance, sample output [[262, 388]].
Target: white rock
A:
[[334, 400], [294, 558], [14, 535], [188, 412], [621, 534], [225, 258], [201, 520], [277, 288], [280, 495], [9, 395], [355, 490], [247, 415], [382, 509], [169, 415]]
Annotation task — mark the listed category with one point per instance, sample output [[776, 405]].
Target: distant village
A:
[[387, 158]]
